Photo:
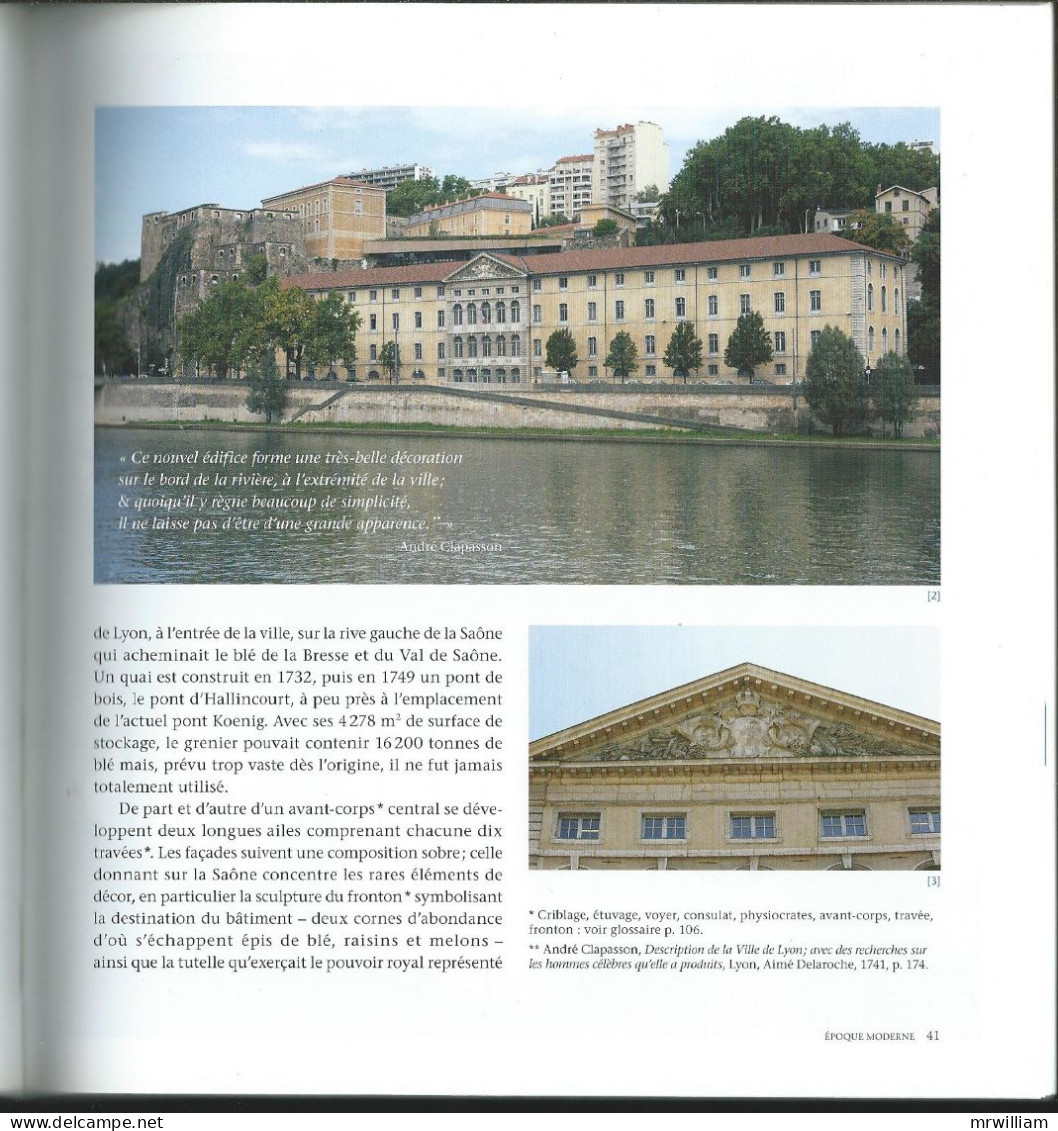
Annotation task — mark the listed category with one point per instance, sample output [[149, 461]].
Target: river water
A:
[[546, 511]]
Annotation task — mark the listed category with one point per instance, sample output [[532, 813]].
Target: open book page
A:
[[441, 761]]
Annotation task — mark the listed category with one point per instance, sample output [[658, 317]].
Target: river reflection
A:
[[576, 512]]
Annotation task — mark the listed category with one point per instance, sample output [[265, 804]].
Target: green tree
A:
[[877, 230], [835, 388], [749, 344], [290, 322], [116, 280], [389, 359], [893, 386], [334, 335], [649, 195], [561, 352], [684, 351], [257, 269], [455, 188], [923, 316], [622, 358], [605, 227], [556, 220], [268, 391], [410, 197], [224, 330]]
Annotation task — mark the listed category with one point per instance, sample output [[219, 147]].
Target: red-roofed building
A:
[[488, 320]]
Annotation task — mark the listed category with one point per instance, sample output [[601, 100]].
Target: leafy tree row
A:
[[763, 176], [923, 316]]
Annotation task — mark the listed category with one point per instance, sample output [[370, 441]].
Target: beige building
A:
[[907, 207], [488, 320], [570, 185], [337, 216], [535, 188], [492, 214], [628, 160], [748, 769]]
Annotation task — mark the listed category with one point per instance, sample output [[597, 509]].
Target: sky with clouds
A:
[[151, 159]]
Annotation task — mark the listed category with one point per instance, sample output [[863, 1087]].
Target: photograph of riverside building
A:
[[747, 769]]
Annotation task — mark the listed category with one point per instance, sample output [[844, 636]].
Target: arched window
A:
[[896, 300], [457, 347], [472, 346], [486, 346], [870, 341], [885, 341], [870, 296], [501, 345], [883, 300], [501, 312], [486, 313], [516, 346], [457, 314], [896, 341], [516, 311], [472, 313]]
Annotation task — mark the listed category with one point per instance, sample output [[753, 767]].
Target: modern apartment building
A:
[[570, 185], [389, 176], [627, 160], [749, 769], [488, 320]]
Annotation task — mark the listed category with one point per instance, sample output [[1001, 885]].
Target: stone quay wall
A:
[[512, 406]]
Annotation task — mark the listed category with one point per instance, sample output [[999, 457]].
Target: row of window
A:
[[815, 306], [743, 826]]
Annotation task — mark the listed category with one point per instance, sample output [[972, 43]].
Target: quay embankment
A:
[[692, 411]]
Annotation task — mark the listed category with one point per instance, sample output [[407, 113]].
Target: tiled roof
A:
[[345, 182], [372, 276]]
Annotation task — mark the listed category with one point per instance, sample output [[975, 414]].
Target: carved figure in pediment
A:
[[841, 739], [705, 732]]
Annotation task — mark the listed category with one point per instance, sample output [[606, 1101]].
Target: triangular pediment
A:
[[484, 268], [744, 713]]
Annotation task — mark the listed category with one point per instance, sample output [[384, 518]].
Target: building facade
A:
[[627, 160], [907, 208], [493, 214], [749, 769], [337, 216], [570, 185], [488, 320], [534, 188], [389, 176]]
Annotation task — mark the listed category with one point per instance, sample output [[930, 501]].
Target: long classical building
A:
[[487, 320], [747, 769]]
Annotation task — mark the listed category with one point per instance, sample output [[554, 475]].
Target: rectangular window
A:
[[753, 826], [352, 296], [814, 336], [712, 370], [680, 275], [418, 292], [648, 278], [372, 321], [815, 266], [710, 272], [650, 346], [681, 308], [396, 321], [593, 312], [593, 281], [743, 270], [779, 338], [418, 320], [579, 826], [778, 270], [619, 311], [373, 296], [714, 344], [593, 371], [665, 828], [394, 293], [418, 351], [924, 821], [536, 284], [651, 370], [374, 353], [563, 283], [648, 308], [537, 347], [440, 351], [905, 206], [440, 292], [780, 302], [815, 301], [743, 304], [619, 279], [851, 823], [780, 369], [440, 320], [888, 206], [714, 306], [592, 347], [563, 312], [538, 313]]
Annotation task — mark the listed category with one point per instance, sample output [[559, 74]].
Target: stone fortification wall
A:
[[485, 407]]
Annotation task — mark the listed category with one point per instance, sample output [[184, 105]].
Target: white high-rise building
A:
[[628, 159], [389, 176]]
